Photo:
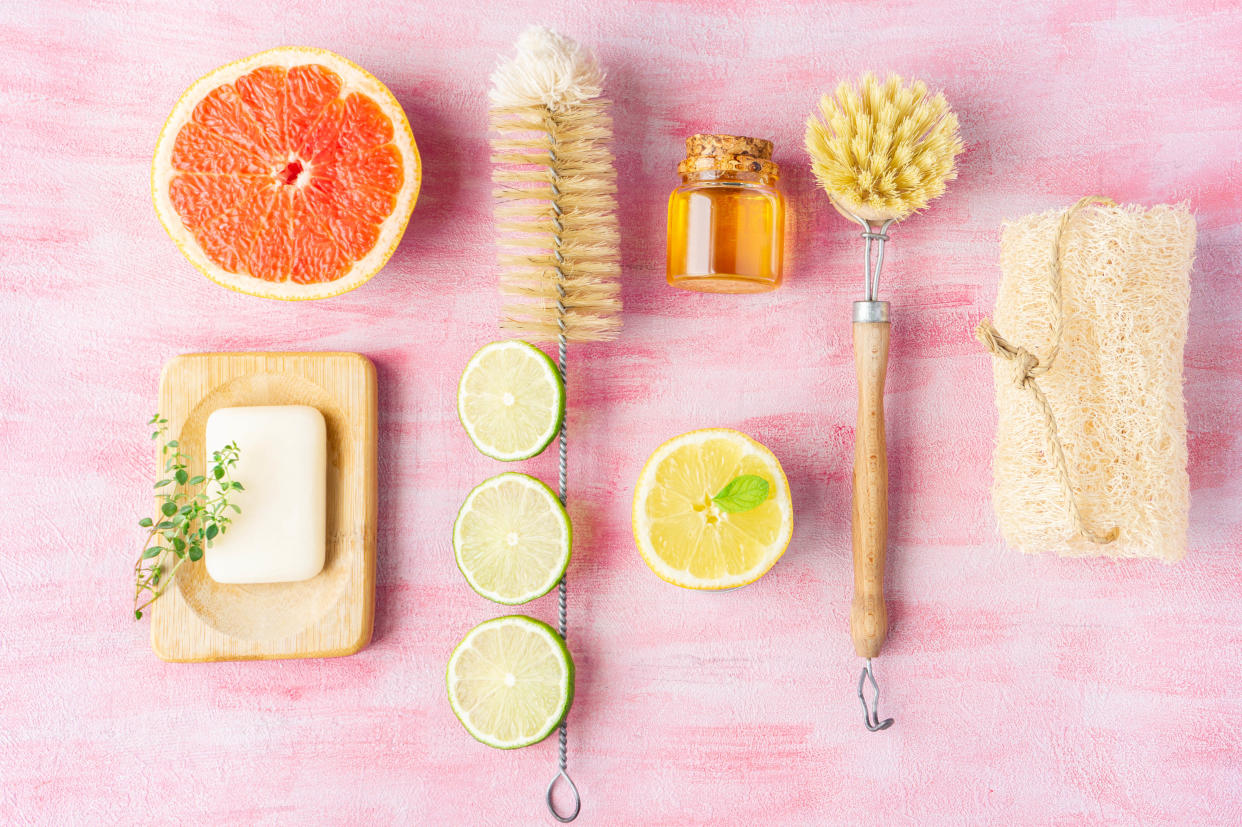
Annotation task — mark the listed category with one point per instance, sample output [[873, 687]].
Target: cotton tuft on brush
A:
[[1091, 453]]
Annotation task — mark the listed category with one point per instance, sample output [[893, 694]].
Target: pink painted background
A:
[[1026, 690]]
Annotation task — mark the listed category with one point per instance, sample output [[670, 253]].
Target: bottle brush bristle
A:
[[555, 192], [883, 150]]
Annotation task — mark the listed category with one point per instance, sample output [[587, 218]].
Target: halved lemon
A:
[[512, 539], [681, 531], [510, 400], [510, 681], [289, 174]]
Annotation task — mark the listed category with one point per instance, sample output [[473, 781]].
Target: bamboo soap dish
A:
[[332, 613]]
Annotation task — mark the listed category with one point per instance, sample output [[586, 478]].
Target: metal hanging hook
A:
[[871, 714], [573, 789]]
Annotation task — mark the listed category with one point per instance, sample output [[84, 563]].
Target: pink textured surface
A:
[[1026, 690]]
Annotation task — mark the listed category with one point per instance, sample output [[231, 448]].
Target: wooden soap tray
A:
[[330, 614]]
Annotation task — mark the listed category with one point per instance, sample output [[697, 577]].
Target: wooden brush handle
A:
[[868, 616]]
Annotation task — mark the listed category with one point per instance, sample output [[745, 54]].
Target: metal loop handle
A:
[[573, 788], [871, 714], [871, 272]]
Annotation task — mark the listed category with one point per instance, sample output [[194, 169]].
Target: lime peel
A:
[[511, 400], [499, 679], [512, 539]]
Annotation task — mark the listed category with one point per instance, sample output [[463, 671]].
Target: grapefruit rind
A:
[[354, 79]]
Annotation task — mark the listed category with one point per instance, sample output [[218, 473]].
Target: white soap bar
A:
[[282, 465]]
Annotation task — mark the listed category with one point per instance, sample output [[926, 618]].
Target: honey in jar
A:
[[726, 221]]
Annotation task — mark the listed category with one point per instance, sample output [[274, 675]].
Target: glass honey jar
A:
[[726, 221]]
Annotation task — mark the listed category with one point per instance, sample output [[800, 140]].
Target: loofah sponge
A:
[[1113, 389]]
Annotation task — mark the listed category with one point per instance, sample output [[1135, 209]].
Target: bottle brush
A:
[[556, 220]]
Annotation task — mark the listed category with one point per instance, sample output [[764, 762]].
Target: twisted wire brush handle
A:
[[562, 468]]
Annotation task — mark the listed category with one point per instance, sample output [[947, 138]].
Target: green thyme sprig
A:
[[188, 518]]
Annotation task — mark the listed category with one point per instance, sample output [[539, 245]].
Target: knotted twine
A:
[[1026, 368]]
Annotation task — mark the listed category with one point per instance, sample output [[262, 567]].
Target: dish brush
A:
[[556, 218], [882, 151]]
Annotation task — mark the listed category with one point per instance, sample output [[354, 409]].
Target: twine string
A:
[[1026, 368]]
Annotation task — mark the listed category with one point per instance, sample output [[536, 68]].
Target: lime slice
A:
[[510, 400], [512, 539], [510, 681]]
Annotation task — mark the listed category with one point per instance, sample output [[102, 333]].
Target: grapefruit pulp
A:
[[289, 174]]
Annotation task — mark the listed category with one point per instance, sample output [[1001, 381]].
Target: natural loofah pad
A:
[[1113, 388]]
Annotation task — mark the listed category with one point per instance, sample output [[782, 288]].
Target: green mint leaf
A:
[[162, 483], [169, 509], [151, 552], [182, 476], [742, 494], [137, 614], [145, 522], [197, 479], [172, 443], [196, 554], [212, 531], [217, 472], [238, 486]]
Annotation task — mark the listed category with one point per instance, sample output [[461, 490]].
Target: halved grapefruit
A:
[[289, 174]]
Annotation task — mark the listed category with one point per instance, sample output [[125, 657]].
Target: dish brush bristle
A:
[[883, 150], [555, 192]]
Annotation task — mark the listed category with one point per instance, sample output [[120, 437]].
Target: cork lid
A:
[[728, 153]]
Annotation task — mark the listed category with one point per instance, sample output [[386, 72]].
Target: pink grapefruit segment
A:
[[290, 174]]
